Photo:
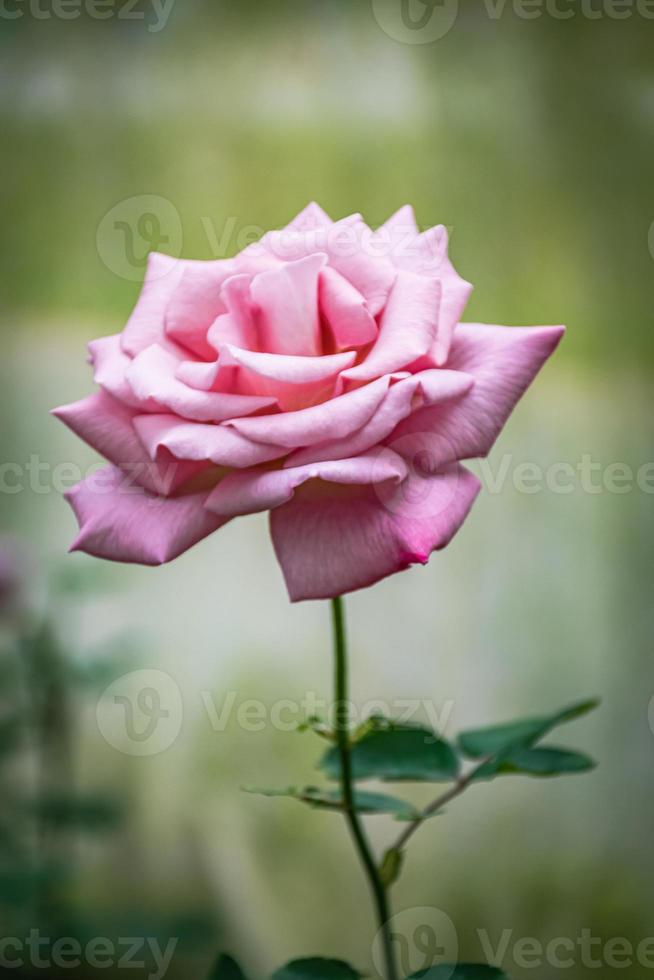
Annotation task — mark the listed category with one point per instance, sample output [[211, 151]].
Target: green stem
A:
[[342, 725]]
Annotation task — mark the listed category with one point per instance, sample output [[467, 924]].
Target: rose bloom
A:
[[323, 375]]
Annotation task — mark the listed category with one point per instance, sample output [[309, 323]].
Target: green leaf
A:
[[500, 739], [463, 971], [391, 866], [545, 761], [317, 968], [367, 803], [400, 753], [226, 968]]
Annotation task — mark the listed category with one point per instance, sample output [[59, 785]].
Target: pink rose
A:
[[322, 374]]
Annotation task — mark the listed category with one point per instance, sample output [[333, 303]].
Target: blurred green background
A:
[[531, 139]]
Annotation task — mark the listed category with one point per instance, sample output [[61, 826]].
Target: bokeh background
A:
[[531, 139]]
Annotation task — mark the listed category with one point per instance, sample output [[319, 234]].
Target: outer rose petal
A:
[[402, 222], [218, 444], [426, 254], [107, 425], [310, 217], [503, 361], [146, 324], [396, 236], [408, 327], [121, 522], [456, 291], [425, 388], [329, 545], [255, 490], [110, 363], [151, 376]]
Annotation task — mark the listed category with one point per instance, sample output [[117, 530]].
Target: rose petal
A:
[[110, 364], [348, 318], [219, 444], [146, 324], [255, 490], [330, 420], [196, 302], [402, 398], [353, 251], [455, 290], [395, 237], [107, 425], [503, 361], [408, 327], [288, 307], [351, 247], [238, 325], [403, 221], [121, 522], [426, 254], [294, 381], [292, 369], [151, 376], [310, 217], [331, 544]]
